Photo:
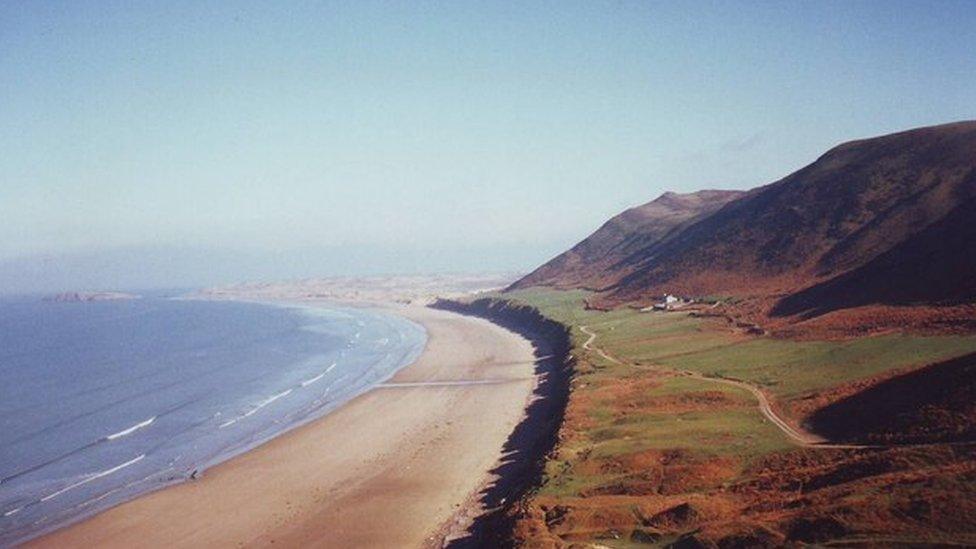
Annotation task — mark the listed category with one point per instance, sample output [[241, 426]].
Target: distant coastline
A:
[[86, 297]]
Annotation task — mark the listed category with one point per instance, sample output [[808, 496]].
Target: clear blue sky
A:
[[469, 132]]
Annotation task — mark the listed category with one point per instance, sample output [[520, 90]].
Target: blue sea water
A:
[[102, 401]]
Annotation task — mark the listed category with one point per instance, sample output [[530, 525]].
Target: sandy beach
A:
[[392, 468]]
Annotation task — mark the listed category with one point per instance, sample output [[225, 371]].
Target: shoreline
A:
[[392, 466], [162, 479], [498, 506]]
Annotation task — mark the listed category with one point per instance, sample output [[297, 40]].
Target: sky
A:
[[182, 143]]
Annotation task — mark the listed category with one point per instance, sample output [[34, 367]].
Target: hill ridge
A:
[[851, 229]]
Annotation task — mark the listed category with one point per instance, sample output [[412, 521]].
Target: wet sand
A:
[[391, 468]]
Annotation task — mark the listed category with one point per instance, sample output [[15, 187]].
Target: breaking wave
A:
[[132, 429]]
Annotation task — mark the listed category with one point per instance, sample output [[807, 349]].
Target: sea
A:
[[103, 401]]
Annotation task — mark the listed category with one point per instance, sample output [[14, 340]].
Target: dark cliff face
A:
[[535, 437], [887, 220]]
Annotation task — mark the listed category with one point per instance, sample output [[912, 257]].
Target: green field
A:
[[639, 432], [732, 427], [625, 404], [791, 369], [786, 368]]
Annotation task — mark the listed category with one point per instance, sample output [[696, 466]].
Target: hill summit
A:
[[878, 227]]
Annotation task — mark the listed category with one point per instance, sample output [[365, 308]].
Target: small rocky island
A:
[[85, 297]]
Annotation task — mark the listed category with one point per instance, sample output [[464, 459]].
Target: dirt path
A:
[[588, 345], [798, 436]]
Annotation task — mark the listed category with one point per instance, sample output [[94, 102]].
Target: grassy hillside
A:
[[647, 456]]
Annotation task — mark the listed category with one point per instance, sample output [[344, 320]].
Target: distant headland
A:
[[85, 297]]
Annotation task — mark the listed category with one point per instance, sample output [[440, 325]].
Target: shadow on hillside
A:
[[934, 404], [932, 267]]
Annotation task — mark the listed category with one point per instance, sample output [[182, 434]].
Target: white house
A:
[[667, 303]]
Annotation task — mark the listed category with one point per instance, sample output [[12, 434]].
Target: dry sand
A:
[[389, 469]]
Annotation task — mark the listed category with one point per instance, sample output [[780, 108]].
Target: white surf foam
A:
[[257, 407], [94, 476], [267, 401], [132, 429], [308, 382]]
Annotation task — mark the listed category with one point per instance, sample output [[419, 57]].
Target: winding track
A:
[[797, 436]]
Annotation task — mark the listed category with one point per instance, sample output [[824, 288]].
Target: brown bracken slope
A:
[[597, 262], [875, 223]]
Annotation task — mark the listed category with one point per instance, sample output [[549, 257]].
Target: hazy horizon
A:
[[188, 144], [145, 268]]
